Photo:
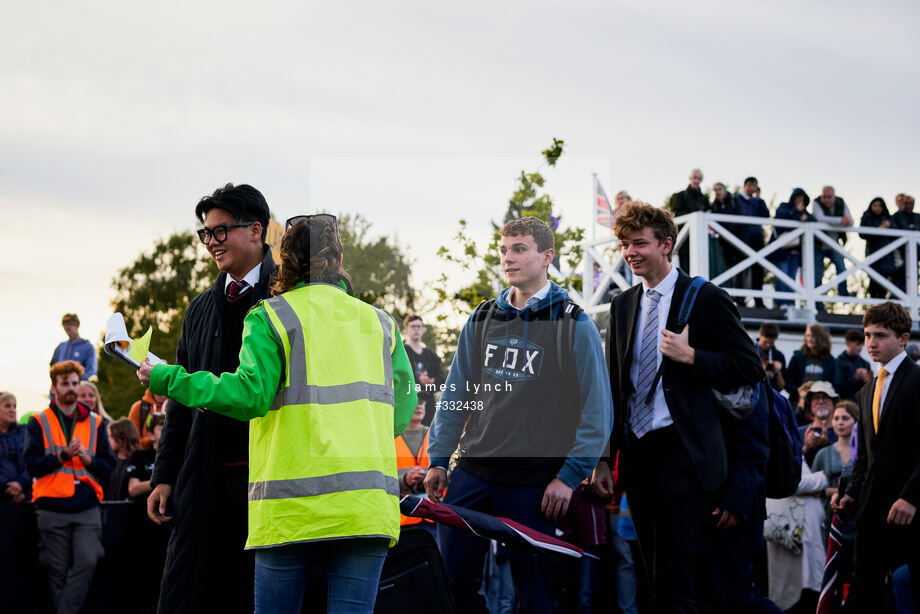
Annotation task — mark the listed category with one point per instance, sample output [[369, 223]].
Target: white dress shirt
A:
[[891, 367], [251, 278], [662, 416], [538, 296]]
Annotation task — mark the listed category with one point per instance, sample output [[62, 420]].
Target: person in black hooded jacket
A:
[[789, 258], [877, 216], [200, 477]]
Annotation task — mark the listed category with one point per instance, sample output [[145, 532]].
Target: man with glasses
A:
[[200, 478]]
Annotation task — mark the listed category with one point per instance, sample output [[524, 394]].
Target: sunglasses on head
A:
[[297, 219]]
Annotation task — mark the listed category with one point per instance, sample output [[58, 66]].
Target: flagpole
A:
[[594, 209], [588, 275]]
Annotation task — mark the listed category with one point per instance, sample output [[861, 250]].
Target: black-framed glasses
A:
[[326, 217], [219, 233]]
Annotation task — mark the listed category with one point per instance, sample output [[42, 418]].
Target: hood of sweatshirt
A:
[[795, 193], [556, 294]]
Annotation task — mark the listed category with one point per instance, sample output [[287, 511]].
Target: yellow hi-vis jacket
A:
[[320, 374]]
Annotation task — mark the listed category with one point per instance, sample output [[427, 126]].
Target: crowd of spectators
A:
[[73, 504], [828, 208], [823, 390], [117, 467]]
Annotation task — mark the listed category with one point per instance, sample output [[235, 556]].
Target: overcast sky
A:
[[117, 117]]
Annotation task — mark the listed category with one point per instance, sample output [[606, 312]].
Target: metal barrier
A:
[[694, 231]]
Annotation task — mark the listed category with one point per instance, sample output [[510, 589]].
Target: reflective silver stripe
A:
[[298, 392], [271, 323], [46, 431], [294, 329], [340, 393], [385, 322], [297, 360], [93, 426], [323, 485]]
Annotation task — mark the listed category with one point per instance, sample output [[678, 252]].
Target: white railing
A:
[[694, 231]]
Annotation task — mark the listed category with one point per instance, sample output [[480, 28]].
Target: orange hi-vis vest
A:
[[406, 460], [61, 483]]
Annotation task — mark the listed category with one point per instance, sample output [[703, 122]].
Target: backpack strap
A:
[[145, 409], [565, 337], [683, 315], [481, 316]]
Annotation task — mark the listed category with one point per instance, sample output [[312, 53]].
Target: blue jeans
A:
[[498, 586], [352, 568], [840, 266], [788, 264], [903, 598]]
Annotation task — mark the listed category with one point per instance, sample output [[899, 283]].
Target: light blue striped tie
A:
[[642, 411]]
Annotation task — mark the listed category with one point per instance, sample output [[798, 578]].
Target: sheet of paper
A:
[[119, 345], [116, 331], [139, 347]]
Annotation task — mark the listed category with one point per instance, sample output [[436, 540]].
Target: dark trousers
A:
[[669, 509], [212, 552], [70, 545], [231, 584], [729, 585], [464, 553], [881, 548]]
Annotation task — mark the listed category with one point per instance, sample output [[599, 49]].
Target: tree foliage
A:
[[378, 267], [529, 199], [158, 287], [155, 290]]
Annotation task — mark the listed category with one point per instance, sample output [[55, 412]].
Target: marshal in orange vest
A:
[[406, 460], [61, 484]]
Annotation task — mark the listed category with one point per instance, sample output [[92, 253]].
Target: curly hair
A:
[[310, 251], [532, 226], [888, 315], [822, 349], [65, 368], [635, 216]]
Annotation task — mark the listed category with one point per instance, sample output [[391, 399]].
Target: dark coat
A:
[[905, 220], [848, 365], [787, 211], [885, 264], [794, 374], [887, 466], [12, 461], [688, 201], [186, 459], [725, 359]]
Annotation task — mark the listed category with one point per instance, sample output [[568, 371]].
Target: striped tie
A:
[[643, 412], [236, 290]]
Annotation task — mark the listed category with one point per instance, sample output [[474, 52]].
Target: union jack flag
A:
[[831, 587], [503, 530], [604, 214]]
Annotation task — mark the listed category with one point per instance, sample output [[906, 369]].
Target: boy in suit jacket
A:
[[885, 489], [684, 478]]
